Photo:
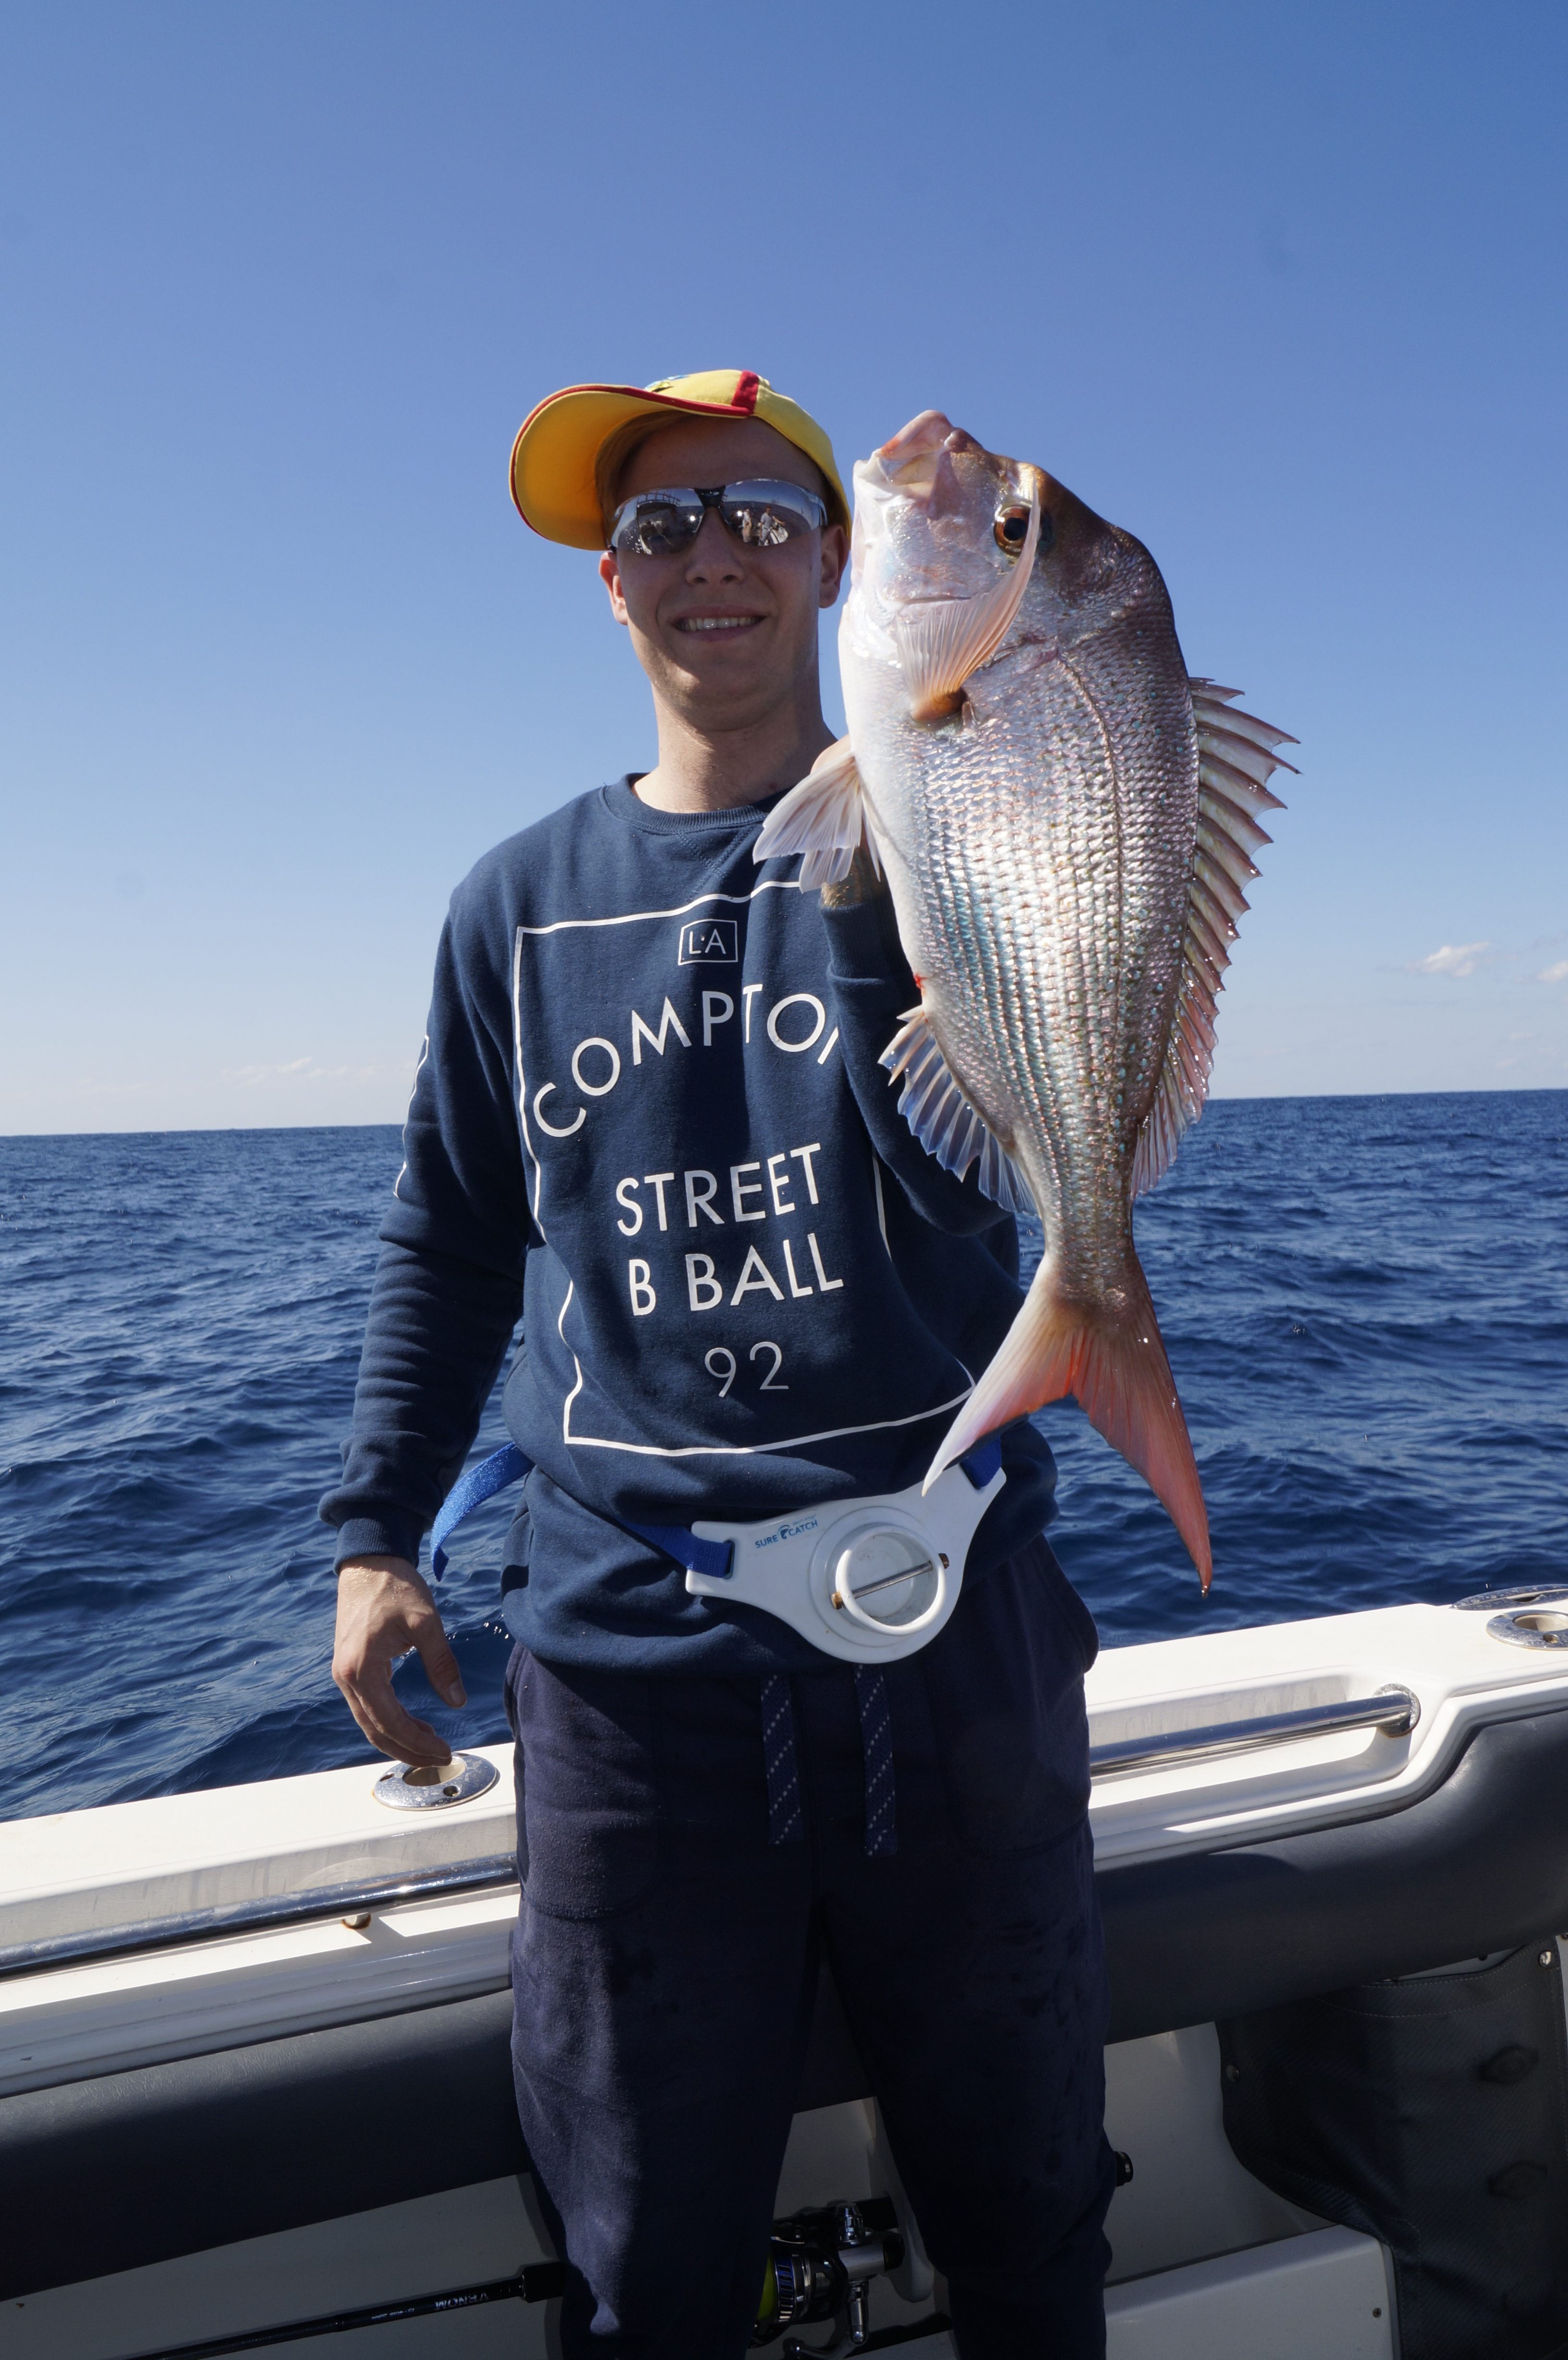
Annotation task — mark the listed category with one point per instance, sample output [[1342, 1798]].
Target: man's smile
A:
[[718, 622]]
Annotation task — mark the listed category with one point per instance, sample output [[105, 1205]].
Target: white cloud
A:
[[1557, 973], [1454, 958], [306, 1069], [253, 1073]]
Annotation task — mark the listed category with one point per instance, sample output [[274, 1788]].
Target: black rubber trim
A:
[[1478, 1865], [135, 2168]]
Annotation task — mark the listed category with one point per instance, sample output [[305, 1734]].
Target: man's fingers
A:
[[439, 1663], [369, 1726], [390, 1727], [384, 1609], [415, 1742], [386, 1720]]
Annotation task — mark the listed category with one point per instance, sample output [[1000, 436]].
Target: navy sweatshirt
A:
[[649, 1116]]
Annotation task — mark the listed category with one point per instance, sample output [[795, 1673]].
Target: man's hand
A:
[[384, 1609], [863, 883]]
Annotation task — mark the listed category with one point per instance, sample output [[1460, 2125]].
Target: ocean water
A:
[[1366, 1302]]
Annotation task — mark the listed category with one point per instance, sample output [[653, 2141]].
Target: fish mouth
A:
[[919, 461], [910, 461], [942, 477]]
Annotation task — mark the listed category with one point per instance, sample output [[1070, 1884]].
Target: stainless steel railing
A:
[[98, 1943], [1394, 1710]]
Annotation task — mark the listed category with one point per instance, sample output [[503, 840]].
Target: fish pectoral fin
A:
[[1236, 760], [1112, 1362], [823, 818], [934, 1107], [942, 640]]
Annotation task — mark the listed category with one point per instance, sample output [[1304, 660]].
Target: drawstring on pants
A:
[[876, 1742], [779, 1766], [781, 1769]]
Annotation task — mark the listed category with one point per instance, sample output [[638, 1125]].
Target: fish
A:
[[1066, 822]]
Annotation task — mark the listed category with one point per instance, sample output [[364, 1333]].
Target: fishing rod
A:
[[820, 2262]]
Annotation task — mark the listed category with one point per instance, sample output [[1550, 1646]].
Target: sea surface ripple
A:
[[1364, 1300]]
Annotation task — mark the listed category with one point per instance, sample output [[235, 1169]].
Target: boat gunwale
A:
[[151, 1934]]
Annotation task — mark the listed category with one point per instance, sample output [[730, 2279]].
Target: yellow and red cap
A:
[[555, 457]]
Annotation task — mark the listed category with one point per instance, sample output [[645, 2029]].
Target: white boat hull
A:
[[245, 2123]]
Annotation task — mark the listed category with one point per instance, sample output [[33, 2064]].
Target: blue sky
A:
[[1278, 288]]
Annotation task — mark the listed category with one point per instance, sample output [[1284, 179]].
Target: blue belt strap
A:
[[981, 1463], [713, 1558], [505, 1466], [470, 1491]]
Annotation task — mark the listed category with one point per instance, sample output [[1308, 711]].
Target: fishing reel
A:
[[821, 2264]]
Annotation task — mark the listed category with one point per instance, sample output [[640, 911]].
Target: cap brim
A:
[[558, 446]]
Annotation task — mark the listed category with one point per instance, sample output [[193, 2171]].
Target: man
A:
[[649, 1114]]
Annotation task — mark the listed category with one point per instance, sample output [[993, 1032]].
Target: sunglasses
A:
[[761, 514]]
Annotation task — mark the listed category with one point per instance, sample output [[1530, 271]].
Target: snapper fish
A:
[[1066, 822]]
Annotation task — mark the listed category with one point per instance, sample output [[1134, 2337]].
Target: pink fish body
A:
[[1066, 823]]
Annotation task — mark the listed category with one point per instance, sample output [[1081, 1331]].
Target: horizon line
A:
[[1268, 1097]]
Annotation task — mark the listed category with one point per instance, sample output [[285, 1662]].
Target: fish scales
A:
[[1060, 1046], [1023, 756]]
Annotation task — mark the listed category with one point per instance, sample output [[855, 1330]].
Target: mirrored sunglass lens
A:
[[765, 515], [657, 527]]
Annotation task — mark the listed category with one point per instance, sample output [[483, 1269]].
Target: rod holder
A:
[[408, 1786]]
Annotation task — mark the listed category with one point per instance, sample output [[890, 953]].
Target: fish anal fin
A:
[[935, 1105], [940, 641], [1112, 1362], [823, 819]]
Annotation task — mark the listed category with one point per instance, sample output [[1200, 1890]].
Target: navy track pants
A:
[[666, 1957]]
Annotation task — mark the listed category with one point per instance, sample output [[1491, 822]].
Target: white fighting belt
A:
[[867, 1579]]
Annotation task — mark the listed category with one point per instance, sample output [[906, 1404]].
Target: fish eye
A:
[[1012, 526]]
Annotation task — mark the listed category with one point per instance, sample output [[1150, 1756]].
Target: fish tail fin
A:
[[1113, 1362]]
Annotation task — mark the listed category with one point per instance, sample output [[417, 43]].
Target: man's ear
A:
[[834, 558], [610, 575]]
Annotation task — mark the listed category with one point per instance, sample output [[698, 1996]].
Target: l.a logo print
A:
[[710, 941]]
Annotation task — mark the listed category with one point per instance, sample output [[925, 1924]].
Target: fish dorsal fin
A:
[[823, 819], [1236, 760], [942, 640], [934, 1107]]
